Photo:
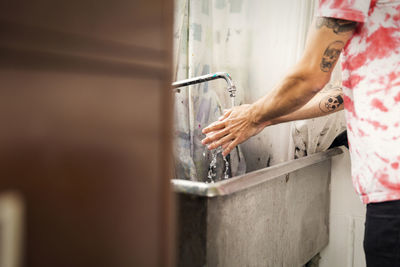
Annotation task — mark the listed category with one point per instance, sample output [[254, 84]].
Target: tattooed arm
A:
[[324, 44], [325, 41], [327, 101]]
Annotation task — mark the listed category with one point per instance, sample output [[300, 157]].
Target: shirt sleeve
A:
[[354, 10]]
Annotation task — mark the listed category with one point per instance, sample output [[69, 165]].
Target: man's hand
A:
[[234, 127]]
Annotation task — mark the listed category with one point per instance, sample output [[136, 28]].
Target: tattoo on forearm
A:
[[330, 56], [331, 103], [337, 25]]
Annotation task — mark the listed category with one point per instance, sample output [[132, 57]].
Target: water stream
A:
[[212, 169]]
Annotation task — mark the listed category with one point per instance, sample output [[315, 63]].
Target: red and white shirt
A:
[[371, 87]]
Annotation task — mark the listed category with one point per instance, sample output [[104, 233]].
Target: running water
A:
[[226, 175], [212, 169]]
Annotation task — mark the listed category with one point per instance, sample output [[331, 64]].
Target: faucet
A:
[[232, 93], [205, 78]]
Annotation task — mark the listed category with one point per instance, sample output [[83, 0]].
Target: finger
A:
[[221, 142], [225, 145], [230, 147], [213, 137], [215, 126], [225, 115]]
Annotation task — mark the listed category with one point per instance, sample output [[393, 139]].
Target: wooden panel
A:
[[88, 205], [85, 111], [79, 105], [87, 161], [33, 46], [138, 22]]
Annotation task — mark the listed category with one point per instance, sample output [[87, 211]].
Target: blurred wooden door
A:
[[85, 112]]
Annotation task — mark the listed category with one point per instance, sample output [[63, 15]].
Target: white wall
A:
[[347, 216]]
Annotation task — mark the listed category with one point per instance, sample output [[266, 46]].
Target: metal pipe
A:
[[205, 78]]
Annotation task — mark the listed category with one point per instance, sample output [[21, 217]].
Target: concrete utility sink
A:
[[277, 216]]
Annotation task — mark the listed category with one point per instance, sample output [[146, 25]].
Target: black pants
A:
[[382, 234]]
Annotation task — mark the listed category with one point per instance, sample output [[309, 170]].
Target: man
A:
[[368, 33]]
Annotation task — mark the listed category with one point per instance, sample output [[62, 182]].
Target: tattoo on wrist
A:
[[331, 103], [331, 55], [337, 25]]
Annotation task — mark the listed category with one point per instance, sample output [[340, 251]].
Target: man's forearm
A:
[[294, 92], [328, 101]]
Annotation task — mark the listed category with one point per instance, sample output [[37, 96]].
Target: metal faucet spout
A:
[[205, 78]]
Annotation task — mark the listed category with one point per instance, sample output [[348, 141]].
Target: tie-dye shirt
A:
[[371, 87]]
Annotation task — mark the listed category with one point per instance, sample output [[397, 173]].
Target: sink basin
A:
[[277, 216]]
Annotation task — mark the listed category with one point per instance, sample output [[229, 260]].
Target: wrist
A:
[[256, 115]]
